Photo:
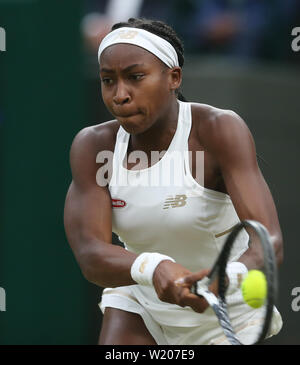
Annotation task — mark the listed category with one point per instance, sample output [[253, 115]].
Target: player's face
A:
[[136, 86]]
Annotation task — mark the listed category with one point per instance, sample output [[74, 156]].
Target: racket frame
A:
[[218, 304]]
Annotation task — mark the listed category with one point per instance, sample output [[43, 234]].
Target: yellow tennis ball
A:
[[254, 288]]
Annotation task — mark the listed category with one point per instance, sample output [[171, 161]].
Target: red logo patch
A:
[[118, 203]]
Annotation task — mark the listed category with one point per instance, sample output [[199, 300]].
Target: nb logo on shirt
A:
[[178, 201]]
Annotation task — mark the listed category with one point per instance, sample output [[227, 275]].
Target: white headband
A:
[[142, 38]]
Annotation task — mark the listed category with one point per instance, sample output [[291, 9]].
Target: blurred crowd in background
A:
[[246, 29]]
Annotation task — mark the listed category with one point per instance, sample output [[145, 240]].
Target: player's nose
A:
[[121, 96]]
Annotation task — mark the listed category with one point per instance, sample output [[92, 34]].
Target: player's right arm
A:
[[87, 215]]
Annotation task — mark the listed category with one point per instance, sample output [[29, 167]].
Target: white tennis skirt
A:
[[170, 324]]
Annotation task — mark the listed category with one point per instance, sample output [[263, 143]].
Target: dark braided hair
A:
[[162, 30]]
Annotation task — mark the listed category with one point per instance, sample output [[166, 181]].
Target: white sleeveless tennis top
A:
[[179, 217]]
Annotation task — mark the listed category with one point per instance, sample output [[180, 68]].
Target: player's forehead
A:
[[123, 55]]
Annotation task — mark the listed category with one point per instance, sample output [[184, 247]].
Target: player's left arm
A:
[[229, 139]]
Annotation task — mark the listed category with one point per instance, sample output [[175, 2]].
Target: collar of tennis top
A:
[[144, 39]]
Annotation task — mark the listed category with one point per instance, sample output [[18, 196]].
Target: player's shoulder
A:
[[208, 117], [96, 138], [86, 146], [214, 125]]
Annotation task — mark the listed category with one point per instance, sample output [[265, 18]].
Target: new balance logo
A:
[[178, 201]]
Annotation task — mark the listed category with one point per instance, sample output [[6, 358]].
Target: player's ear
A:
[[175, 78]]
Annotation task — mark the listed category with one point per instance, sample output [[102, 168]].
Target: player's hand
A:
[[173, 283], [201, 304]]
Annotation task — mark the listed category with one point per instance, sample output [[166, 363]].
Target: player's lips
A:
[[124, 112], [126, 115]]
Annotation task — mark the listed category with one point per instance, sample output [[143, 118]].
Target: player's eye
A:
[[136, 77], [107, 81]]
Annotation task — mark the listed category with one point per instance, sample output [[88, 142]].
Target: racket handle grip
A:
[[201, 289], [203, 284]]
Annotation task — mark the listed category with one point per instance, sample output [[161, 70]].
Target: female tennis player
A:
[[172, 232]]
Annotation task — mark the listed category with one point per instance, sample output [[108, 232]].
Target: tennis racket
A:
[[258, 234]]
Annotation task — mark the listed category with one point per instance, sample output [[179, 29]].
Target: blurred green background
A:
[[49, 90]]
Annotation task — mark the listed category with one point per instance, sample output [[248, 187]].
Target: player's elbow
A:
[[90, 264], [86, 269]]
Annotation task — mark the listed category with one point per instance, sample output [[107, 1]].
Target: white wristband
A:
[[236, 272], [143, 267]]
